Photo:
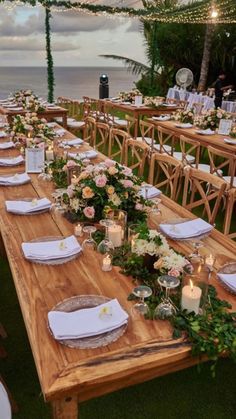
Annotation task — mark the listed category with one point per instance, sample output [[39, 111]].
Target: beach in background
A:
[[72, 82]]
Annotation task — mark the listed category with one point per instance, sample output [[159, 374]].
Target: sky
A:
[[77, 39]]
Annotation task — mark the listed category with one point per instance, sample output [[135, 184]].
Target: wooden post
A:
[[66, 408]]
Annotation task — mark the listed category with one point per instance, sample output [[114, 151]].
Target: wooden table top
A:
[[140, 110], [215, 140], [47, 111], [145, 351]]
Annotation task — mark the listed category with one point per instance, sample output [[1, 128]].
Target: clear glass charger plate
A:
[[60, 261], [176, 221], [40, 211], [88, 301], [228, 268]]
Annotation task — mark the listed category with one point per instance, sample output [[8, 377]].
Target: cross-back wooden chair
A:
[[166, 139], [190, 152], [197, 108], [90, 130], [74, 113], [206, 191], [135, 155], [101, 136], [117, 139], [147, 130], [112, 120], [132, 123], [165, 172], [223, 164]]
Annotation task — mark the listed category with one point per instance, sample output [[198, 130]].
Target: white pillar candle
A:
[[106, 264], [78, 230], [49, 154], [115, 235], [191, 296]]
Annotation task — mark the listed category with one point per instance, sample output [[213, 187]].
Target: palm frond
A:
[[134, 66]]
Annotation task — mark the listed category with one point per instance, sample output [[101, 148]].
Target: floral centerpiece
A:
[[30, 126], [103, 186], [233, 132], [28, 100], [211, 119], [153, 101], [129, 96], [184, 116], [57, 170]]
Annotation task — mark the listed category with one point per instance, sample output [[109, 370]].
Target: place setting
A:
[[12, 161], [14, 179], [28, 206]]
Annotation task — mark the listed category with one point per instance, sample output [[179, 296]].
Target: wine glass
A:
[[106, 246], [89, 243], [166, 308], [142, 292], [197, 243]]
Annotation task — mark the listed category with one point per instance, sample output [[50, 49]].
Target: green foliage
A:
[[50, 70]]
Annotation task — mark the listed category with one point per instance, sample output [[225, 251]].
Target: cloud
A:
[[34, 44]]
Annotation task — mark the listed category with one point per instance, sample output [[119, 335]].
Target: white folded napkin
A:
[[51, 124], [24, 207], [7, 144], [230, 141], [75, 141], [87, 322], [184, 125], [15, 108], [14, 161], [205, 132], [57, 249], [161, 118], [229, 280], [60, 132], [3, 134], [149, 192], [187, 229], [90, 154], [17, 179]]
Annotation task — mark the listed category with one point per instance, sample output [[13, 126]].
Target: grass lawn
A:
[[183, 395]]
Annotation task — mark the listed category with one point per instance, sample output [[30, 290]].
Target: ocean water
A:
[[72, 82]]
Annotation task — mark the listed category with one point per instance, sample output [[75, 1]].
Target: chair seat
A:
[[59, 119], [178, 156], [121, 122], [228, 179], [203, 167], [76, 124]]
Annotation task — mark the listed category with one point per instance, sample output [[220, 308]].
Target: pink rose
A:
[[139, 207], [127, 183], [70, 191], [100, 181], [109, 163], [70, 163], [127, 171], [41, 145], [174, 272], [89, 212]]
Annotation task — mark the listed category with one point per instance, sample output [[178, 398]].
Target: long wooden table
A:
[[215, 140], [139, 111], [48, 114], [147, 350]]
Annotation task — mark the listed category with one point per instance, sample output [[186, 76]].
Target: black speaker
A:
[[103, 87]]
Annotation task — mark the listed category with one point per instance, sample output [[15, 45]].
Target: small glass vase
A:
[[195, 288]]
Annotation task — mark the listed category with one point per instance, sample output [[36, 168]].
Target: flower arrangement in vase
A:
[[30, 126], [184, 116], [211, 119]]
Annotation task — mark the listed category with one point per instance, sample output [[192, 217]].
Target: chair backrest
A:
[[166, 139], [117, 139], [197, 108], [90, 130], [222, 163], [132, 122], [101, 137], [189, 148], [165, 172], [73, 106], [206, 191], [147, 133], [5, 407], [135, 155]]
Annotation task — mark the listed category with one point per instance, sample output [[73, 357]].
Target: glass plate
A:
[[228, 268], [28, 213], [92, 342], [51, 261]]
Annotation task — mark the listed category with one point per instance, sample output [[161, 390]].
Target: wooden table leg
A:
[[66, 408], [64, 120]]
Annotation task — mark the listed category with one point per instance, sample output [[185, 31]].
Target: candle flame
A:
[[191, 284]]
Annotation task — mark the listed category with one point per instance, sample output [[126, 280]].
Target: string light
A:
[[221, 11]]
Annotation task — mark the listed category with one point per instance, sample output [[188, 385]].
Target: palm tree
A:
[[210, 28], [152, 70]]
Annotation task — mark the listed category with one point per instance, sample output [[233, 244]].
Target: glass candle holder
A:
[[195, 289], [117, 231], [132, 234]]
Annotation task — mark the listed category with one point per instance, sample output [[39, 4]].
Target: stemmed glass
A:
[[89, 243], [106, 246], [142, 292], [197, 243], [166, 308]]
